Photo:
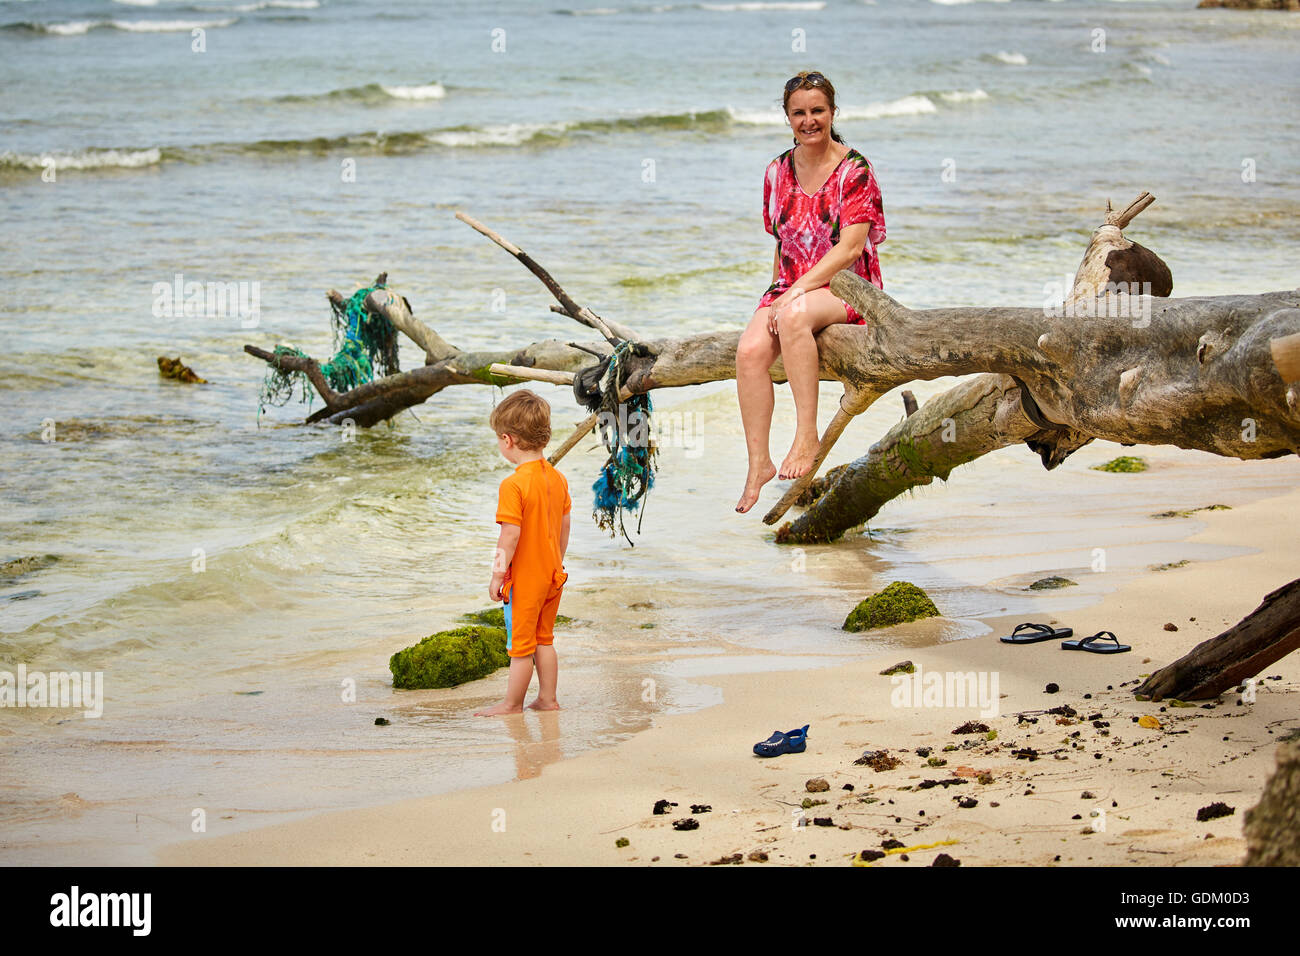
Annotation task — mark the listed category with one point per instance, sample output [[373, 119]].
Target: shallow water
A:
[[320, 557]]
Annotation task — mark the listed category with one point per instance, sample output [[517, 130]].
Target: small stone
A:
[[382, 721], [1171, 626], [757, 856], [1051, 689], [943, 859], [817, 785]]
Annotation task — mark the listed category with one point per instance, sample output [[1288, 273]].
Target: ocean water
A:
[[230, 572]]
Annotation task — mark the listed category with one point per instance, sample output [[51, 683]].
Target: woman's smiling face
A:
[[810, 117]]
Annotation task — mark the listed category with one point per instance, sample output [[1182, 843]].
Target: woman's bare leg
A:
[[757, 350], [798, 323]]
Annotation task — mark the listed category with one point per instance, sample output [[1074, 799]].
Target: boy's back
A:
[[536, 498]]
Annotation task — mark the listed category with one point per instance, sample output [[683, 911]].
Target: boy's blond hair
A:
[[524, 415]]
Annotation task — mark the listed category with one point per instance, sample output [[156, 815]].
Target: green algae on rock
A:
[[496, 617], [1048, 583], [1124, 464], [896, 604], [449, 658]]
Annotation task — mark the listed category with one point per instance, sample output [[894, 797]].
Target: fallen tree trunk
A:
[[971, 419], [1263, 637]]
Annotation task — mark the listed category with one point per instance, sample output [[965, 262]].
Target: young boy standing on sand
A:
[[528, 573]]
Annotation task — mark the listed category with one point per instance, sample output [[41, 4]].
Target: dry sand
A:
[[1145, 787]]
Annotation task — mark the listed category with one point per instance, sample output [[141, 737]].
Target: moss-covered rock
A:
[[449, 658], [496, 617], [896, 604], [1124, 463], [1049, 583]]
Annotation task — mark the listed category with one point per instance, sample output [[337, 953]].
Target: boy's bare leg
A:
[[521, 672], [548, 668]]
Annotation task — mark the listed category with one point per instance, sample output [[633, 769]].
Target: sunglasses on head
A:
[[812, 79]]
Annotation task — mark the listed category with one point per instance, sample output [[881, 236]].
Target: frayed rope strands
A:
[[629, 472], [368, 339]]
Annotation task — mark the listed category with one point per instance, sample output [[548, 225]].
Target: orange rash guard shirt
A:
[[535, 497]]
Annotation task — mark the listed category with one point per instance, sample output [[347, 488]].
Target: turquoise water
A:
[[622, 147]]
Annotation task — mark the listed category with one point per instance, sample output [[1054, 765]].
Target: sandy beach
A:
[[1103, 789]]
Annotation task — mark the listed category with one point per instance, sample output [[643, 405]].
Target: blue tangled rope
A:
[[629, 471]]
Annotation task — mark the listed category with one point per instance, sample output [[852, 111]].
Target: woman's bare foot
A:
[[754, 483], [800, 459], [498, 710], [539, 704]]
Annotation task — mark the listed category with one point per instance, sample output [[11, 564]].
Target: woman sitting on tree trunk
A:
[[822, 204]]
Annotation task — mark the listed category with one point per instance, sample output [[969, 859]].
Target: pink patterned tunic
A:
[[806, 227]]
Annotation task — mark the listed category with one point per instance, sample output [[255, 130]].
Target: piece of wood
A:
[[978, 415], [612, 331], [1261, 638], [531, 374], [1286, 356], [584, 429]]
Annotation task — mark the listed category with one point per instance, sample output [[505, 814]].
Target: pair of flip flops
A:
[[1096, 644], [794, 742]]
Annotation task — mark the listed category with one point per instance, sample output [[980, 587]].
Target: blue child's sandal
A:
[[795, 742]]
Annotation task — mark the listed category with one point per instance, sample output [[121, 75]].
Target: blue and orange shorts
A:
[[530, 615]]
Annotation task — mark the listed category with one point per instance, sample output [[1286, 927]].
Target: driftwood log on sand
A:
[[1115, 362]]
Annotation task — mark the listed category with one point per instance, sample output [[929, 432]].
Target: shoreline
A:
[[1032, 812]]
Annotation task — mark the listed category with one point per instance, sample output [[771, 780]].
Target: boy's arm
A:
[[507, 541], [564, 536]]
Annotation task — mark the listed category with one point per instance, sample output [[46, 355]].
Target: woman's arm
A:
[[840, 256], [776, 263]]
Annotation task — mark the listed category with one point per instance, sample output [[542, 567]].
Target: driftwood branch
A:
[[978, 415], [1261, 638]]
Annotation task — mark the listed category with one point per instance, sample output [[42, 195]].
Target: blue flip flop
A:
[[1086, 644], [1035, 633], [795, 742]]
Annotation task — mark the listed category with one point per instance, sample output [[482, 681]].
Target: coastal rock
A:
[[1048, 583], [896, 604], [449, 658], [1273, 825]]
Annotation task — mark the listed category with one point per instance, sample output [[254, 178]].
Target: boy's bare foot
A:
[[539, 704], [498, 710], [799, 461], [754, 483]]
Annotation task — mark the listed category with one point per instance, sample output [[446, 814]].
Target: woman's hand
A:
[[786, 300]]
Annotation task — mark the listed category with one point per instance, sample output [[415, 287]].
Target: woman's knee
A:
[[754, 351]]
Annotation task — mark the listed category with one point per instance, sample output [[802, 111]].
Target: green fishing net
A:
[[363, 340]]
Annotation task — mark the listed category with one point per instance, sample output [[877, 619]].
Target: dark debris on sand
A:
[[877, 760]]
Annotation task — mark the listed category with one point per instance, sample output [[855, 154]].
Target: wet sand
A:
[[1118, 793]]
